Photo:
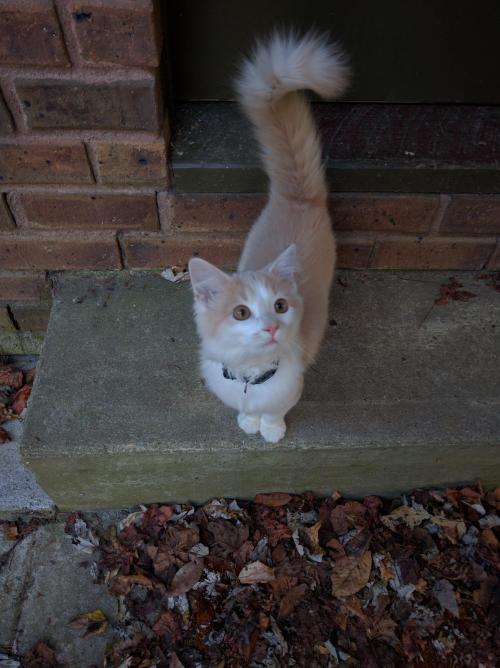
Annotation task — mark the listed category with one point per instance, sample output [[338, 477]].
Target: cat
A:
[[261, 327]]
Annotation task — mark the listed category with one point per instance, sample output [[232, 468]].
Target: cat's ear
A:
[[207, 281], [286, 264]]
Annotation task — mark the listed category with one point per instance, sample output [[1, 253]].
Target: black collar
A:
[[249, 380]]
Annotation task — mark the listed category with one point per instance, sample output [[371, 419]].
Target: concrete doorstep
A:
[[404, 394]]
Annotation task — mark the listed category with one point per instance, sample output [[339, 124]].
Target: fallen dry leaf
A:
[[94, 622], [40, 656], [256, 572], [407, 515], [186, 577], [290, 600], [9, 375], [4, 436], [21, 399], [443, 591], [273, 500], [351, 574]]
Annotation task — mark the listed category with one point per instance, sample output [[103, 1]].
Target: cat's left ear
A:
[[286, 265]]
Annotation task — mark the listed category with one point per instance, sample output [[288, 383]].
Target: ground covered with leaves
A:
[[289, 580], [15, 389]]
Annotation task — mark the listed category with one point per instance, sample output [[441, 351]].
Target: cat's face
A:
[[247, 315]]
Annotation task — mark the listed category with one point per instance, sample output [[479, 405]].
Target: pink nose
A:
[[272, 329]]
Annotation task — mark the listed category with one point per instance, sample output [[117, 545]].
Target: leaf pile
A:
[[15, 389], [295, 580]]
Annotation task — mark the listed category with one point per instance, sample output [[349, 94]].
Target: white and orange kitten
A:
[[262, 326]]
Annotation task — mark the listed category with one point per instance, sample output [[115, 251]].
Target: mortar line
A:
[[444, 201], [14, 105]]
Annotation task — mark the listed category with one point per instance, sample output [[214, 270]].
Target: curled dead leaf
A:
[[186, 577], [256, 573], [273, 500], [11, 376], [351, 574], [94, 622], [21, 399], [407, 515]]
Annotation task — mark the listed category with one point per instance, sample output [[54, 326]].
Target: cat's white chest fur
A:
[[273, 397]]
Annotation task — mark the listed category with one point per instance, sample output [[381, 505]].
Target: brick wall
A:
[[84, 181]]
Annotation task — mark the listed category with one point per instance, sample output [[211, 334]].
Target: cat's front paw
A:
[[272, 432], [249, 423]]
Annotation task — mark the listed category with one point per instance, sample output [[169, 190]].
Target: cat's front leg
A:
[[272, 427], [250, 423]]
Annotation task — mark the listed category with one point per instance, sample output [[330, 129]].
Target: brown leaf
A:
[[9, 375], [407, 515], [488, 538], [21, 399], [291, 599], [273, 500], [311, 537], [11, 532], [122, 584], [40, 656], [493, 498], [186, 577], [167, 624], [351, 574], [463, 295], [4, 436], [256, 572]]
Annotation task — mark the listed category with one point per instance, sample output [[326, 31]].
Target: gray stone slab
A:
[[20, 494], [403, 394], [45, 583]]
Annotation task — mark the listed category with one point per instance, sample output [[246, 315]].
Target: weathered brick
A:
[[472, 214], [35, 252], [22, 287], [28, 317], [30, 35], [432, 253], [390, 213], [59, 104], [6, 124], [132, 163], [353, 253], [203, 212], [154, 251], [44, 163], [90, 212], [110, 34], [6, 220]]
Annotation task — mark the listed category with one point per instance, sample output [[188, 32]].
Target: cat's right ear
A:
[[207, 281]]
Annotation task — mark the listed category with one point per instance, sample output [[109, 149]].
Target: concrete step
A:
[[367, 148], [405, 393]]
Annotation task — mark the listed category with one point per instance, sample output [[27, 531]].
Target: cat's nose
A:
[[272, 329]]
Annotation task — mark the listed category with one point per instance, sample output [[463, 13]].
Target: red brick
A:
[[90, 212], [202, 212], [36, 252], [44, 163], [6, 220], [386, 213], [6, 124], [353, 253], [472, 214], [494, 261], [155, 251], [22, 287], [132, 163], [432, 253], [116, 35], [35, 318], [30, 35], [50, 103]]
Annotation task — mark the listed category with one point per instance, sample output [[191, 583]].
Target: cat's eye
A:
[[241, 312], [281, 305]]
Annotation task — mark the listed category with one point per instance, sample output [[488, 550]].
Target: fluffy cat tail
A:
[[268, 88]]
